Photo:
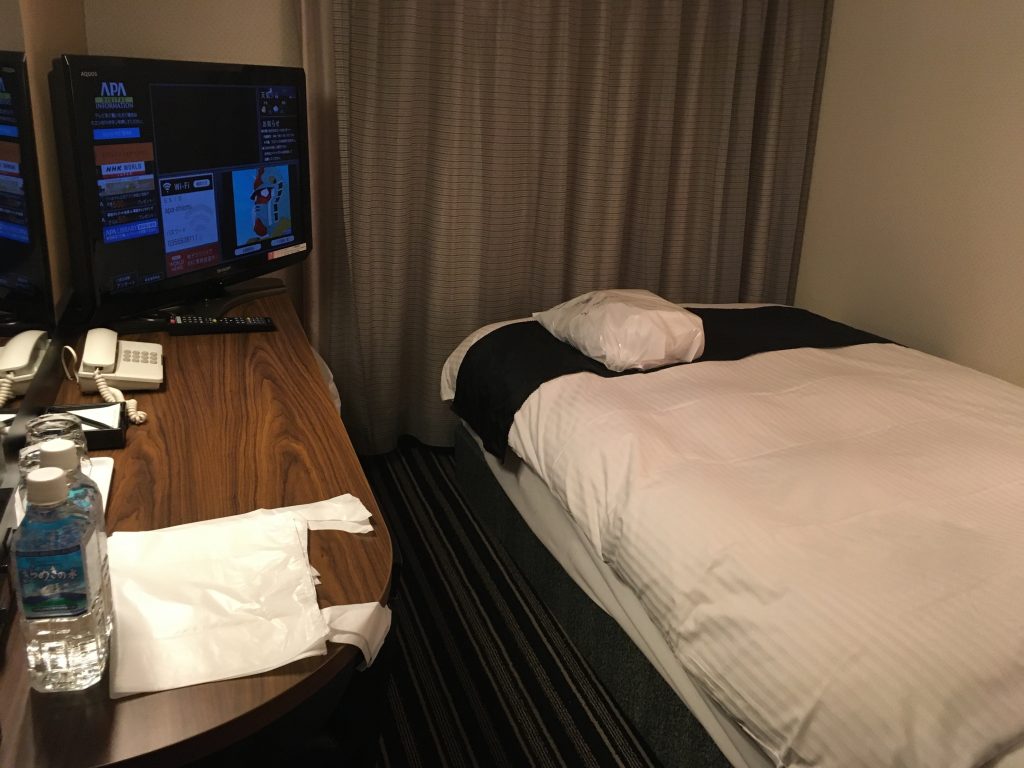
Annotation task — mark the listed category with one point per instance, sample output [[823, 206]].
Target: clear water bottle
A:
[[59, 585], [85, 499]]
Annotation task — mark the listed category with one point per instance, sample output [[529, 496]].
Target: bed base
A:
[[673, 734]]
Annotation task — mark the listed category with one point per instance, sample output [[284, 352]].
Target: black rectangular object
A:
[[192, 325], [97, 439]]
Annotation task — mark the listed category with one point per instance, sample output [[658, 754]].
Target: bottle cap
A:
[[59, 452], [46, 485]]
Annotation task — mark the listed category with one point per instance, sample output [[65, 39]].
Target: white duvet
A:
[[832, 541]]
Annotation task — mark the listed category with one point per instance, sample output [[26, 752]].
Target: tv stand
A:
[[230, 297], [11, 325]]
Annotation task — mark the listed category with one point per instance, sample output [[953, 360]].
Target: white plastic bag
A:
[[210, 601]]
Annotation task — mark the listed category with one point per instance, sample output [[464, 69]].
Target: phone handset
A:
[[109, 365], [19, 361]]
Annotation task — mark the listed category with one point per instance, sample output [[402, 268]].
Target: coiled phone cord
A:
[[111, 395], [6, 388], [69, 358]]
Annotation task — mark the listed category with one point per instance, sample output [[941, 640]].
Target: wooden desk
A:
[[243, 421]]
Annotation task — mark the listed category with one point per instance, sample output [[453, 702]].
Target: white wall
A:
[[237, 31], [915, 224], [10, 26]]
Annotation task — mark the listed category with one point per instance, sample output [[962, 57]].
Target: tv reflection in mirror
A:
[[26, 298]]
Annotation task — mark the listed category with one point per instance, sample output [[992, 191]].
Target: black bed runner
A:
[[504, 368]]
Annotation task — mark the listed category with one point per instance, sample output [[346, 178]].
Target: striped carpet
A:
[[482, 675]]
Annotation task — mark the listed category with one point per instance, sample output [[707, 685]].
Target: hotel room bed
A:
[[816, 547]]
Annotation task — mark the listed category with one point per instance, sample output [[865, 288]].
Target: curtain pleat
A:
[[482, 161]]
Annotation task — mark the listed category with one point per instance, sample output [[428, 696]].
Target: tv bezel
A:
[[77, 162], [36, 312]]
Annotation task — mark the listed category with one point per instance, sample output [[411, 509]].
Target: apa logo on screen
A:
[[112, 89]]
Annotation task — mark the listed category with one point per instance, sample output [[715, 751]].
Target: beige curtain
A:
[[477, 161]]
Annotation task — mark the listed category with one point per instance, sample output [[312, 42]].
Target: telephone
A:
[[123, 364], [109, 365], [19, 361]]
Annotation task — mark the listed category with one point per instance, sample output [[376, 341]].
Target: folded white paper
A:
[[101, 470], [110, 415]]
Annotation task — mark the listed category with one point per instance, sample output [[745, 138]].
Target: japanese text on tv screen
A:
[[191, 176]]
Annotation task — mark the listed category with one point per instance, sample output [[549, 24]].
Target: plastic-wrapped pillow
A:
[[626, 329]]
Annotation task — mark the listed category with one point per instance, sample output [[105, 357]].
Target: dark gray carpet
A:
[[482, 675]]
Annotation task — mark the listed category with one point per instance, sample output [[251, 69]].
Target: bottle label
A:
[[53, 585], [95, 556]]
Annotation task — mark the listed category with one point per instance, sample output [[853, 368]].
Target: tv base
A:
[[231, 297], [228, 298], [10, 325]]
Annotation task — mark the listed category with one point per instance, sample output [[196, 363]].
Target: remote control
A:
[[186, 325]]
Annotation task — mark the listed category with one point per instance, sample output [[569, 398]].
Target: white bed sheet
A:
[[982, 722], [829, 540], [553, 527]]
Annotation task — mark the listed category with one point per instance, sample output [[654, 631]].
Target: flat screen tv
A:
[[181, 178], [26, 298]]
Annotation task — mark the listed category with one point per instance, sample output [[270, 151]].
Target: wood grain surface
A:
[[243, 421]]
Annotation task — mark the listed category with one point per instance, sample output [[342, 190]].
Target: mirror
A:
[[11, 39], [26, 297]]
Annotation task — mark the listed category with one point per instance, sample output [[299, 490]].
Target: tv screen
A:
[[25, 292], [187, 176]]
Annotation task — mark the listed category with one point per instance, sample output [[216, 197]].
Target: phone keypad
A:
[[129, 355]]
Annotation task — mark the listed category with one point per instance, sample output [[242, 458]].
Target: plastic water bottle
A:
[[85, 499], [59, 585]]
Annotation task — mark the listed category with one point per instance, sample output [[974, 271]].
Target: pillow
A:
[[626, 328]]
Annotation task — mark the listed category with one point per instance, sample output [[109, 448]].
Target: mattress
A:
[[607, 542], [553, 527]]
